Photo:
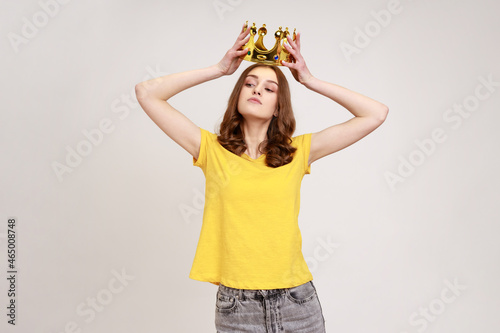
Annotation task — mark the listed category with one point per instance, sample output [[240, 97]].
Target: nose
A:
[[256, 90]]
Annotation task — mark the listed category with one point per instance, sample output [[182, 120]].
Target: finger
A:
[[242, 52], [295, 54], [245, 37], [287, 46], [290, 49], [298, 40], [239, 44], [294, 45], [242, 41], [242, 36], [243, 28], [244, 32], [288, 64], [291, 41]]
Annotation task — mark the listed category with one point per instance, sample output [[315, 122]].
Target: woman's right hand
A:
[[233, 57]]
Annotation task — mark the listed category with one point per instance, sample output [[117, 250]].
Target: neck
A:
[[254, 133]]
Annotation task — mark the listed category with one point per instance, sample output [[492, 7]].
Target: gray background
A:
[[383, 256]]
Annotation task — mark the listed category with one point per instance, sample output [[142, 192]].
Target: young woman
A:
[[250, 242]]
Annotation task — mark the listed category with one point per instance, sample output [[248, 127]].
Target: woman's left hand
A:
[[298, 65]]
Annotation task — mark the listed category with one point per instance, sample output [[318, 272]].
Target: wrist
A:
[[218, 70], [308, 81]]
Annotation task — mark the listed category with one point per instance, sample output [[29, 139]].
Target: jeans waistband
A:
[[253, 293]]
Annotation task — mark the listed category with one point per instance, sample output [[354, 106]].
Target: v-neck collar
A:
[[261, 159], [245, 156]]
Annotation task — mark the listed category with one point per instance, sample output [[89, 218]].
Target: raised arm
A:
[[153, 95], [368, 113]]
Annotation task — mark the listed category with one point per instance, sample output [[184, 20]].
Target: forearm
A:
[[167, 86], [359, 105]]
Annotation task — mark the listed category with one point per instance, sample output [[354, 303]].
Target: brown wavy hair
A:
[[277, 146]]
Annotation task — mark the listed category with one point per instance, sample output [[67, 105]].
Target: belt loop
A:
[[240, 294]]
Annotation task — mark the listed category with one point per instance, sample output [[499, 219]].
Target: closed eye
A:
[[250, 84]]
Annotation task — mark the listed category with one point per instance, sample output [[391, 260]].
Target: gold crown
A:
[[257, 52]]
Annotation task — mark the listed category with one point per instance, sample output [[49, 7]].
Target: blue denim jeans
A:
[[294, 309]]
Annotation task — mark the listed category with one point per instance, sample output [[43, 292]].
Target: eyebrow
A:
[[255, 76]]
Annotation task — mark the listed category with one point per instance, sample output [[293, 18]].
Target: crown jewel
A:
[[257, 52]]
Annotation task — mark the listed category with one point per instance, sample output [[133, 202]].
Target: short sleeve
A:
[[306, 149], [303, 145], [202, 157]]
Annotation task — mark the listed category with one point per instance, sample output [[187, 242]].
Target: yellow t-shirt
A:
[[250, 237]]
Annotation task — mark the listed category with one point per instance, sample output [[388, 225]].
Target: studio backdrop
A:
[[100, 211]]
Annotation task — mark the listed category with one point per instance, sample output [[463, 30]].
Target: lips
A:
[[254, 100]]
